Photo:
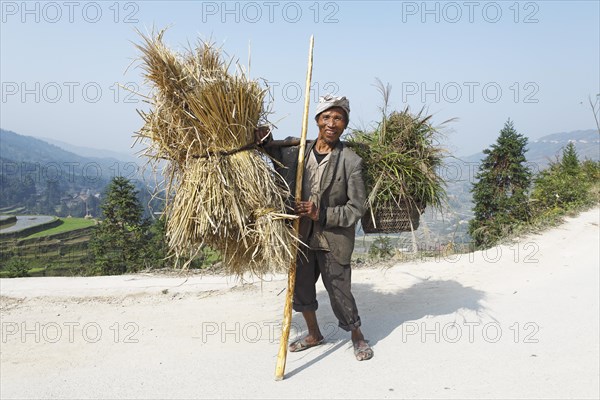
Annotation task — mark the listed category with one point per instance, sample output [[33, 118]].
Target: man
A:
[[333, 200]]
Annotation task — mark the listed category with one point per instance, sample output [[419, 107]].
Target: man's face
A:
[[331, 124]]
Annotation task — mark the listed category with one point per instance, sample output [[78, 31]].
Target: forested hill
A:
[[19, 148], [45, 178]]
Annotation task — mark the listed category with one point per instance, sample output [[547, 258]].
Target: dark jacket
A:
[[342, 193]]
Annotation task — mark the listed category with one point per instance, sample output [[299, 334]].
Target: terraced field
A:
[[59, 247], [27, 221], [7, 221], [68, 224]]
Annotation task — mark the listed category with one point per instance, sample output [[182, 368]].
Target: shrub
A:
[[17, 268], [381, 248], [565, 185]]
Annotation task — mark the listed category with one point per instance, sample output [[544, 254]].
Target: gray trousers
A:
[[337, 281]]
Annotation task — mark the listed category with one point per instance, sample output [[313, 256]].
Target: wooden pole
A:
[[287, 311], [296, 142]]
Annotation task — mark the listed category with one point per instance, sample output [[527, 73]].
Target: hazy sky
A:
[[480, 61]]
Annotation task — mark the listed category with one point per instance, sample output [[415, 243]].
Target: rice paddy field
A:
[[27, 221], [57, 250], [68, 224]]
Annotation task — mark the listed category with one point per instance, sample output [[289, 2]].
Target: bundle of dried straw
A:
[[220, 191]]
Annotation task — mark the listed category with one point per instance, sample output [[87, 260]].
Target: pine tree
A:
[[500, 193], [570, 160], [117, 244]]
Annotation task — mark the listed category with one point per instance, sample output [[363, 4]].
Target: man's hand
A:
[[262, 134], [307, 209]]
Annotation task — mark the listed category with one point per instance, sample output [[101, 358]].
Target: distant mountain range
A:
[[545, 149], [21, 148], [102, 166], [91, 152]]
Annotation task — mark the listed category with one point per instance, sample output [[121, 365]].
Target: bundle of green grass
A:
[[220, 192], [402, 161]]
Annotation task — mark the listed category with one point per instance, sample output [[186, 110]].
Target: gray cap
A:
[[328, 101]]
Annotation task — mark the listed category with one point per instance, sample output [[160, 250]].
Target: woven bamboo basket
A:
[[392, 218]]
